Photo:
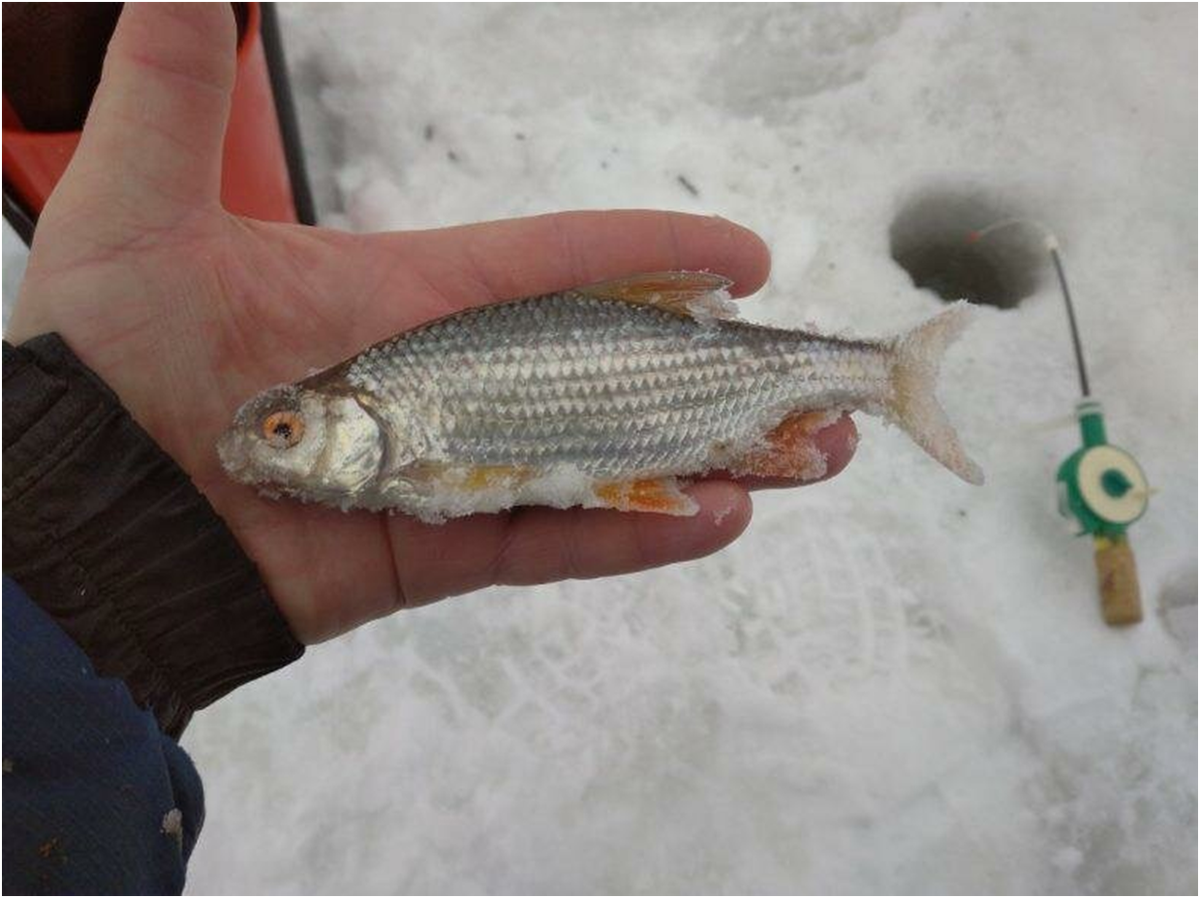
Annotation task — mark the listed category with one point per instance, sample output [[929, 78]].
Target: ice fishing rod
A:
[[1101, 487]]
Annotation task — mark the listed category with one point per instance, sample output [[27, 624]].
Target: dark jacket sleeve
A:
[[97, 800], [113, 541]]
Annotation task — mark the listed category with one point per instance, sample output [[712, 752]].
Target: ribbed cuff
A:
[[109, 536]]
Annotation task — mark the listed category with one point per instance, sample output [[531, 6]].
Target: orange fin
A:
[[662, 496], [693, 294], [789, 450]]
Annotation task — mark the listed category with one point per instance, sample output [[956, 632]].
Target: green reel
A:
[[1100, 486]]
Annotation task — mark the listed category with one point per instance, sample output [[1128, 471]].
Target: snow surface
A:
[[893, 681]]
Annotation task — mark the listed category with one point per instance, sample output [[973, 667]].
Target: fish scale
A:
[[596, 396], [535, 391]]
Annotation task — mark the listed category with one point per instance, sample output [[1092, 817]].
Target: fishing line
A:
[[1050, 242]]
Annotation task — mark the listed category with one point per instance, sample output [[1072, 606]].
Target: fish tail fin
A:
[[913, 405]]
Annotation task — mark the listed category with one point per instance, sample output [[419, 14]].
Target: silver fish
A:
[[601, 396]]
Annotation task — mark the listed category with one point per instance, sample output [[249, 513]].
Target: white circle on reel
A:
[[1123, 509]]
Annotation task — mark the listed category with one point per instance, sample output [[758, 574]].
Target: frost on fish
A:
[[914, 406], [470, 490], [608, 395]]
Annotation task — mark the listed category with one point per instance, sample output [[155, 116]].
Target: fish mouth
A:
[[233, 456], [239, 466]]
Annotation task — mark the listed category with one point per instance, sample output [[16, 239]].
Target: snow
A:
[[893, 681], [713, 306], [172, 824]]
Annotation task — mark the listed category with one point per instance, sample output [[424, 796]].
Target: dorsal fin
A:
[[693, 294]]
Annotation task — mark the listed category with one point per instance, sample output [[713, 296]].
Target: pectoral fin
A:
[[662, 496], [476, 478], [693, 294]]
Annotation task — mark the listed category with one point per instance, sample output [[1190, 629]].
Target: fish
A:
[[612, 395]]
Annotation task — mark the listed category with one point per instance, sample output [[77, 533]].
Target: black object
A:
[[15, 215], [1062, 282], [53, 53], [285, 113]]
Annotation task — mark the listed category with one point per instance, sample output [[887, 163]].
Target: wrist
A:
[[111, 538]]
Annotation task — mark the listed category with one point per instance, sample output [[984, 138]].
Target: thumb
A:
[[154, 134]]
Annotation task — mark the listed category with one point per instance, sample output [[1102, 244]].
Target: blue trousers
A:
[[96, 799]]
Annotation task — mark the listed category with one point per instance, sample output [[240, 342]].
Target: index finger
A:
[[542, 545], [520, 257]]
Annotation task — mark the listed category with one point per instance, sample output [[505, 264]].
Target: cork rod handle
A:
[[1120, 598]]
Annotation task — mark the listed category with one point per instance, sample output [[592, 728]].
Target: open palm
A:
[[186, 311]]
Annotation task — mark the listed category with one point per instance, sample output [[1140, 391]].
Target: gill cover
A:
[[303, 443]]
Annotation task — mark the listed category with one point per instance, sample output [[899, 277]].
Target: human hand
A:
[[186, 311]]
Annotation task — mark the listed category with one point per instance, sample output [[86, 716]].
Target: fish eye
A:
[[283, 430]]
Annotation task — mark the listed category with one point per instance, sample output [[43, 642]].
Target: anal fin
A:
[[789, 451]]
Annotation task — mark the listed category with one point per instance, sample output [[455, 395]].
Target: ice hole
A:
[[930, 238]]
